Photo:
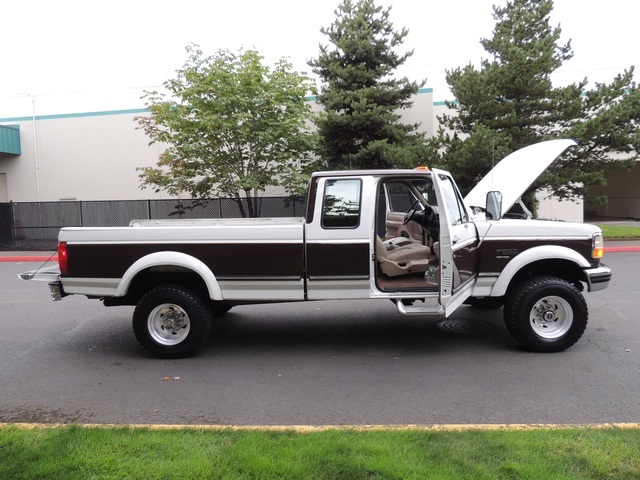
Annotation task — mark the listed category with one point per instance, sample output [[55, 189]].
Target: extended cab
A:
[[402, 235]]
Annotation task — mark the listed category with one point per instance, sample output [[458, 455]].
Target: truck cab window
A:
[[454, 204], [341, 203], [402, 194]]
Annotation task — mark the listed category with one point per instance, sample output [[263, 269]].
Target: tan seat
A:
[[403, 260]]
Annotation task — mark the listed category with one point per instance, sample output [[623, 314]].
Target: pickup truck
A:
[[406, 236]]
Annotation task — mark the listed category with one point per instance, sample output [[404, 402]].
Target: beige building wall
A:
[[551, 208], [95, 156], [80, 157], [421, 112], [623, 193]]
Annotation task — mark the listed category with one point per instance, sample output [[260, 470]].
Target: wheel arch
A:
[[553, 260], [181, 261]]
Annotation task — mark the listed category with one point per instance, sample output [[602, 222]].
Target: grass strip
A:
[[337, 453], [614, 232]]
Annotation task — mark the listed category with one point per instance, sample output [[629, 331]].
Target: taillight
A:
[[63, 258], [597, 246]]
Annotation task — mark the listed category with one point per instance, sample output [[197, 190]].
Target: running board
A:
[[419, 309]]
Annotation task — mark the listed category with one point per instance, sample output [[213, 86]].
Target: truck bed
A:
[[217, 222]]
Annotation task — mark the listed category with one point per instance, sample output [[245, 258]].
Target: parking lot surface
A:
[[320, 363]]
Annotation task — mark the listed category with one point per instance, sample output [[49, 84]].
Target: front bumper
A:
[[598, 278]]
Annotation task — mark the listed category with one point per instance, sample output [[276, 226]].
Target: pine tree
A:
[[510, 102], [360, 126]]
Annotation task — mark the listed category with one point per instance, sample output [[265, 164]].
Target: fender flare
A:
[[544, 252], [177, 259]]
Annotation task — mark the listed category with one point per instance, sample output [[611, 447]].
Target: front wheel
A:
[[546, 314], [171, 322]]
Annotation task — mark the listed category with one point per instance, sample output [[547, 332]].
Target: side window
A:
[[400, 197], [402, 194], [341, 204], [454, 205]]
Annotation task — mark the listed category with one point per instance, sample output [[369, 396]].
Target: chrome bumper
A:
[[598, 278], [45, 274], [49, 274]]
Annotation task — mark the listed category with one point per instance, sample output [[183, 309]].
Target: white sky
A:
[[75, 56]]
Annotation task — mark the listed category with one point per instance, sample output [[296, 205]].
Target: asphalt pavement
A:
[[316, 363]]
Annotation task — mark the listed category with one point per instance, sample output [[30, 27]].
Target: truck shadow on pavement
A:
[[245, 329], [340, 327]]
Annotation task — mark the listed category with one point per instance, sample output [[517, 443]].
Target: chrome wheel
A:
[[545, 314], [551, 317], [168, 324], [172, 321]]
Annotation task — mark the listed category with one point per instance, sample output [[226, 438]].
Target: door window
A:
[[341, 204], [454, 205]]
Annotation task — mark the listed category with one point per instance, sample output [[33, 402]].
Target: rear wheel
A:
[[171, 322], [546, 314]]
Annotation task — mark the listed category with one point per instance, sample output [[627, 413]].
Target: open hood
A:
[[516, 172]]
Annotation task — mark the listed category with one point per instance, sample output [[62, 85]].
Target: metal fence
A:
[[35, 225]]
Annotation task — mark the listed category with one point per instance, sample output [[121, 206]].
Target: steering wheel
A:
[[411, 212]]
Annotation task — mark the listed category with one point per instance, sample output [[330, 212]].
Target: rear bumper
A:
[[598, 278], [45, 274], [49, 274]]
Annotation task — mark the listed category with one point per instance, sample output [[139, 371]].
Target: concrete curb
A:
[[41, 258], [626, 248], [356, 428], [26, 258]]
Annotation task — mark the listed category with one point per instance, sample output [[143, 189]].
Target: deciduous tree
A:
[[232, 127]]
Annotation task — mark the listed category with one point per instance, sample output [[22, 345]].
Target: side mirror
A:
[[494, 205]]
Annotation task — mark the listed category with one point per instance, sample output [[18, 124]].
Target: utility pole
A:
[[35, 143]]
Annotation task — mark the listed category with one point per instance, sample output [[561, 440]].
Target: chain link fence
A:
[[35, 225]]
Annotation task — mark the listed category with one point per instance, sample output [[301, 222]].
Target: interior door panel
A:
[[395, 228]]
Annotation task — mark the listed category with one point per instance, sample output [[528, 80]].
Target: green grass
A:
[[612, 232], [143, 453]]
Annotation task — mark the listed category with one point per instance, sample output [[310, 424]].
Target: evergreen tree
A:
[[360, 126], [510, 102]]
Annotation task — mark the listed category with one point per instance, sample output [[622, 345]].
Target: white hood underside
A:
[[516, 172]]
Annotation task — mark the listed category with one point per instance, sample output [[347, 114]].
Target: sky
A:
[[76, 56]]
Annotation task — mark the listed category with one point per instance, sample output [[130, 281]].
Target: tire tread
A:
[[519, 328], [187, 348]]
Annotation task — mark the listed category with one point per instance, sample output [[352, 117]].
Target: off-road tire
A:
[[546, 314], [171, 321]]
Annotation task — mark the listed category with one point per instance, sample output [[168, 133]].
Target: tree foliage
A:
[[510, 102], [360, 126], [232, 127]]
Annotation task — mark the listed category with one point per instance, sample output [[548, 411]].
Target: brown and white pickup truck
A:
[[402, 235]]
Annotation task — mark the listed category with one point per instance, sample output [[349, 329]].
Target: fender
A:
[[174, 259], [549, 252]]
